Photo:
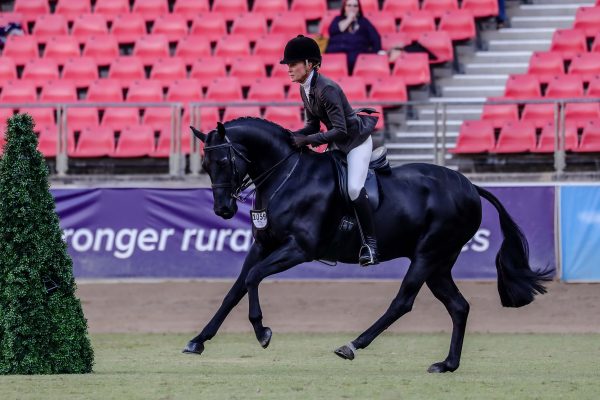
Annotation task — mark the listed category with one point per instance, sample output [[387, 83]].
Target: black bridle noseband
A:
[[245, 183]]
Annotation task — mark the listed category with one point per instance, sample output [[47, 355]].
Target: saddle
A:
[[378, 164]]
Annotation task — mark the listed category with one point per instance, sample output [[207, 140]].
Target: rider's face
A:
[[298, 71]]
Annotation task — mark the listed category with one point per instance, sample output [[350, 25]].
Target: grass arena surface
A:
[[303, 366]]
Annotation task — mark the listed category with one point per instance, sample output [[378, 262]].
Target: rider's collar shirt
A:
[[306, 84]]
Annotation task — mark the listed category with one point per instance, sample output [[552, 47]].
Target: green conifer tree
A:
[[42, 326]]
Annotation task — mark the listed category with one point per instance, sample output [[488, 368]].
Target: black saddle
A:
[[378, 165]]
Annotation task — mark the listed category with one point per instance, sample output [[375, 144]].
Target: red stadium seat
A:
[[5, 114], [498, 114], [232, 46], [8, 69], [87, 25], [104, 49], [398, 8], [205, 70], [293, 94], [150, 9], [111, 8], [94, 142], [42, 117], [440, 44], [587, 19], [280, 71], [415, 23], [209, 116], [230, 8], [185, 90], [135, 141], [118, 117], [166, 70], [369, 6], [127, 28], [211, 26], [593, 89], [325, 21], [394, 40], [564, 86], [546, 142], [545, 65], [569, 42], [312, 9], [354, 88], [250, 25], [269, 8], [163, 148], [145, 91], [48, 140], [104, 91], [151, 47], [248, 69], [188, 8], [157, 117], [192, 47], [371, 67], [538, 114], [578, 114], [264, 89], [459, 24], [289, 117], [58, 92], [239, 112], [61, 48], [20, 48], [383, 22], [586, 66], [522, 87], [474, 137], [481, 8], [590, 139], [79, 118], [173, 26], [224, 89], [18, 92], [81, 71], [127, 69], [39, 71], [388, 89], [50, 25], [412, 68], [31, 9], [270, 47], [516, 137], [596, 44], [289, 24], [439, 7], [71, 9], [333, 65]]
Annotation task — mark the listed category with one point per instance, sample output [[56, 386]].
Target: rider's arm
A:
[[335, 112], [311, 125]]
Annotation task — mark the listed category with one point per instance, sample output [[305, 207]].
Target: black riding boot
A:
[[368, 252]]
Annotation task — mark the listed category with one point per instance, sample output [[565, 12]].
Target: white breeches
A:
[[358, 167]]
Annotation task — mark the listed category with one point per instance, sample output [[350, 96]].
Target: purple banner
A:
[[173, 233]]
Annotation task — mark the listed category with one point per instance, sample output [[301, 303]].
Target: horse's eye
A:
[[222, 162]]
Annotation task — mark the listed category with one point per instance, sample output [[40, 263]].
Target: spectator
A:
[[352, 33]]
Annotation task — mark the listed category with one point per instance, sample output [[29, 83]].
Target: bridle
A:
[[239, 185]]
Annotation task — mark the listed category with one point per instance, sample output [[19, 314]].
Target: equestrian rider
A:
[[324, 101]]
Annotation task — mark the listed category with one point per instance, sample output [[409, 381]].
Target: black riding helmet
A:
[[301, 48]]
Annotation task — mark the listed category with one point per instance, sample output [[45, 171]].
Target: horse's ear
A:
[[198, 134], [221, 130]]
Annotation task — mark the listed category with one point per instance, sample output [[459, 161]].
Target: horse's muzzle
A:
[[226, 212]]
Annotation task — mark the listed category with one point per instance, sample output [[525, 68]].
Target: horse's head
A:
[[226, 166]]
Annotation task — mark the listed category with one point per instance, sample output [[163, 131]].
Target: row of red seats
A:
[[219, 90], [520, 137], [546, 65], [571, 42], [576, 114], [314, 9], [127, 28], [524, 86]]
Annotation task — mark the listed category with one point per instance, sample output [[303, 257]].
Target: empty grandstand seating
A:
[[31, 9], [288, 24], [569, 42], [134, 141], [151, 47], [538, 114], [522, 87], [371, 67], [412, 68], [211, 26], [585, 65], [94, 141], [58, 91], [103, 48], [18, 92], [564, 86], [185, 90], [20, 48], [481, 8], [269, 8], [475, 137], [49, 25], [150, 9], [146, 91], [498, 114], [190, 48], [439, 7], [127, 28], [117, 117], [388, 89], [206, 69], [251, 25], [238, 112], [105, 90], [247, 69], [415, 23], [312, 9], [61, 48], [224, 89], [459, 24], [398, 8], [167, 70], [79, 118], [86, 25], [189, 8], [127, 69], [587, 19], [71, 9], [590, 139], [516, 137], [173, 26], [547, 140], [545, 65], [266, 90], [8, 69], [111, 8], [39, 71], [288, 117]]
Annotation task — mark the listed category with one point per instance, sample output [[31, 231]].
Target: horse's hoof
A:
[[266, 337], [440, 367], [345, 352], [193, 348]]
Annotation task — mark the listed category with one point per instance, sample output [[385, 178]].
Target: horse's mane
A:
[[255, 119]]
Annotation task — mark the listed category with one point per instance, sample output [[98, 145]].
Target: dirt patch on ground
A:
[[329, 306]]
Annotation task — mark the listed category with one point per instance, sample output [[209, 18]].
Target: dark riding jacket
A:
[[328, 104]]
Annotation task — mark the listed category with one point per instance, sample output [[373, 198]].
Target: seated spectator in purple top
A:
[[352, 33]]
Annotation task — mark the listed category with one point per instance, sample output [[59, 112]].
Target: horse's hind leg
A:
[[445, 290]]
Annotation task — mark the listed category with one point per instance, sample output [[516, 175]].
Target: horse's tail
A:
[[517, 282]]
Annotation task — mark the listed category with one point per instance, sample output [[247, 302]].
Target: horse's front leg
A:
[[233, 297], [285, 257]]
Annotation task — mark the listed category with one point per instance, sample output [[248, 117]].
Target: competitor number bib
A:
[[259, 219]]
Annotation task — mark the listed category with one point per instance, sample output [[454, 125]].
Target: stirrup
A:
[[371, 260]]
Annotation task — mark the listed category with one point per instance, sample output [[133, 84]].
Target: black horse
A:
[[426, 213]]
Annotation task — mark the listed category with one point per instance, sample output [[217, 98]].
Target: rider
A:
[[324, 101]]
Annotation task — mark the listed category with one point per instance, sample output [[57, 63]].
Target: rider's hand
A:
[[299, 141]]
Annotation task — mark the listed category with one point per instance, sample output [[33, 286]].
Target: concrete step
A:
[[422, 135], [542, 22], [419, 126], [518, 33], [500, 57], [474, 80], [585, 2], [546, 10], [456, 113], [470, 91], [452, 100], [495, 68], [519, 45]]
